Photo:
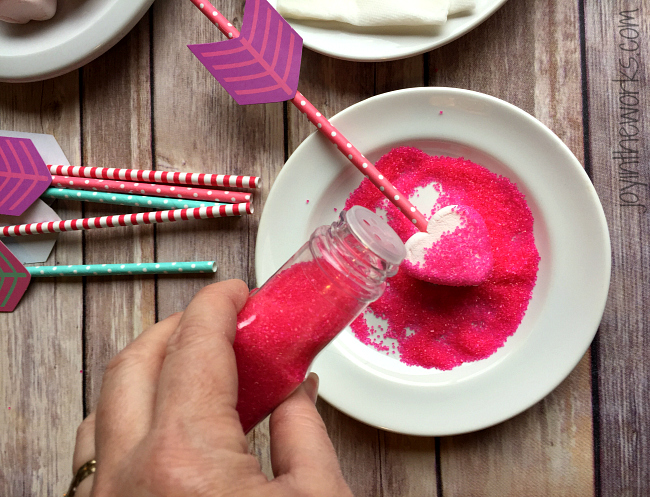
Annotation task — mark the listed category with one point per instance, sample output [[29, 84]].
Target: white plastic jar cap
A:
[[375, 233]]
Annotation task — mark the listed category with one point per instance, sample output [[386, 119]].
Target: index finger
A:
[[197, 390]]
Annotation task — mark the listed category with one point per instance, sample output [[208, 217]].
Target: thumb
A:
[[301, 450]]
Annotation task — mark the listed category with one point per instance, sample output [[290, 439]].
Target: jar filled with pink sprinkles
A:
[[303, 306]]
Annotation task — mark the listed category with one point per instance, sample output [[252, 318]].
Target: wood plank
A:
[[117, 133], [619, 113], [408, 464], [41, 355], [373, 462], [332, 85], [358, 450], [198, 127], [400, 74], [526, 54]]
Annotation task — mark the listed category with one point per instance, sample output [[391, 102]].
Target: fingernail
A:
[[311, 386]]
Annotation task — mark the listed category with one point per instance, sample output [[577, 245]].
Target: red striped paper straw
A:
[[153, 217], [173, 178], [107, 185], [335, 136]]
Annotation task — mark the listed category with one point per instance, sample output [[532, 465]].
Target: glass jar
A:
[[306, 303]]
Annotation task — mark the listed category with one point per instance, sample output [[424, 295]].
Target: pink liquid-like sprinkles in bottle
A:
[[301, 308]]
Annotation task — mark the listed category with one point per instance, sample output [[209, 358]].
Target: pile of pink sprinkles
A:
[[442, 327]]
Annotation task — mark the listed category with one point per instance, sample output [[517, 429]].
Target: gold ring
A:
[[84, 472]]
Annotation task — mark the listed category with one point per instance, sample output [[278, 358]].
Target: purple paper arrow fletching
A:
[[262, 65], [14, 280], [23, 175]]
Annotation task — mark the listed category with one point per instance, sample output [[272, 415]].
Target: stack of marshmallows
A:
[[376, 12]]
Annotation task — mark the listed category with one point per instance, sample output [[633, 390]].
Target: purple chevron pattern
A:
[[14, 280], [262, 65], [23, 175]]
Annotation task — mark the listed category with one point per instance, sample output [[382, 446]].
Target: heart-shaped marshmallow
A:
[[455, 250]]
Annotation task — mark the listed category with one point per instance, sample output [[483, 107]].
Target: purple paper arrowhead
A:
[[14, 280], [23, 175], [262, 65]]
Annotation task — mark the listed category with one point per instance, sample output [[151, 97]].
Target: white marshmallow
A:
[[22, 11], [463, 260], [446, 220]]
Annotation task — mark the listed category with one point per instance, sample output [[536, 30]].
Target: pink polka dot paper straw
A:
[[171, 191], [153, 217], [335, 136], [173, 178], [359, 161]]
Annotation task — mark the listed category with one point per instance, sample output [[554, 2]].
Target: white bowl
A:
[[570, 232]]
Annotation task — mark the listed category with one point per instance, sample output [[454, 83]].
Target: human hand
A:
[[166, 423]]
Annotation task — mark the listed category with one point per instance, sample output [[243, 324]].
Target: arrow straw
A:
[[152, 217], [15, 278], [174, 178], [316, 118], [123, 199]]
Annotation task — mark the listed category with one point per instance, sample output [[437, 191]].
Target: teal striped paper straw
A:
[[124, 269], [124, 199]]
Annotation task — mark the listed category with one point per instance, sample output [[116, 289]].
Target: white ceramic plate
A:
[[80, 31], [570, 232], [348, 42]]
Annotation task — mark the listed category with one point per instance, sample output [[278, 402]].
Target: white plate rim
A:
[[406, 408], [315, 37], [89, 43]]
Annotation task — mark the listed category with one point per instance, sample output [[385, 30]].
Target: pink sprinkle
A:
[[335, 209], [10, 408], [454, 325], [81, 370], [307, 201], [441, 113]]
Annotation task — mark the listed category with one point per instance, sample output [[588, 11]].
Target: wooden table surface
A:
[[580, 67]]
